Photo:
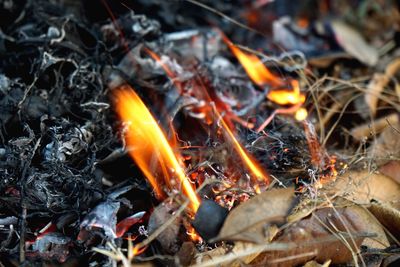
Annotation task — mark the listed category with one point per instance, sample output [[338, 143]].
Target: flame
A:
[[137, 250], [194, 236], [148, 145], [287, 97], [261, 76], [251, 163], [253, 66]]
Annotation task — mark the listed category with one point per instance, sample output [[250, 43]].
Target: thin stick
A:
[[22, 235], [224, 16]]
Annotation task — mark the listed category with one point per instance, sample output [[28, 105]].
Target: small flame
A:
[[148, 145], [194, 236], [137, 250], [251, 163], [253, 66], [261, 76], [287, 97]]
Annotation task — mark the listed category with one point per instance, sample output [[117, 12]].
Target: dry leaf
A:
[[361, 187], [387, 146], [392, 170], [328, 234], [250, 220], [374, 90], [354, 44], [169, 238], [378, 84], [316, 264], [186, 253], [388, 216], [375, 127], [391, 261], [241, 253]]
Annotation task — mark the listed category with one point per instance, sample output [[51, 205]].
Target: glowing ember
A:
[[149, 147], [301, 114]]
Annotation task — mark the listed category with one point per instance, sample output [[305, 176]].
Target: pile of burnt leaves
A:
[[57, 134], [71, 194]]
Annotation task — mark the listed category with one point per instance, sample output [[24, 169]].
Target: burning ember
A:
[[148, 145]]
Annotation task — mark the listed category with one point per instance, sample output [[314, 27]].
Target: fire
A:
[[149, 147], [301, 114], [194, 236], [137, 250], [156, 58], [262, 76], [251, 164], [253, 66], [287, 97]]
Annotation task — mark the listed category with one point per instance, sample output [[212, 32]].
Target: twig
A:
[[224, 16], [22, 235]]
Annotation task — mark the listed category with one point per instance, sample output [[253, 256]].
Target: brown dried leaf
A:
[[316, 264], [374, 90], [378, 84], [388, 216], [249, 221], [169, 238], [328, 234], [375, 127], [241, 253], [361, 187], [186, 253], [387, 146], [392, 170]]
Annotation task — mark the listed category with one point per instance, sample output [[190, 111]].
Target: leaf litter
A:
[[70, 193]]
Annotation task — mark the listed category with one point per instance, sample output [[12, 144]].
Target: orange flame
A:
[[194, 236], [148, 145], [287, 97], [137, 250], [261, 76], [251, 164], [253, 66]]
